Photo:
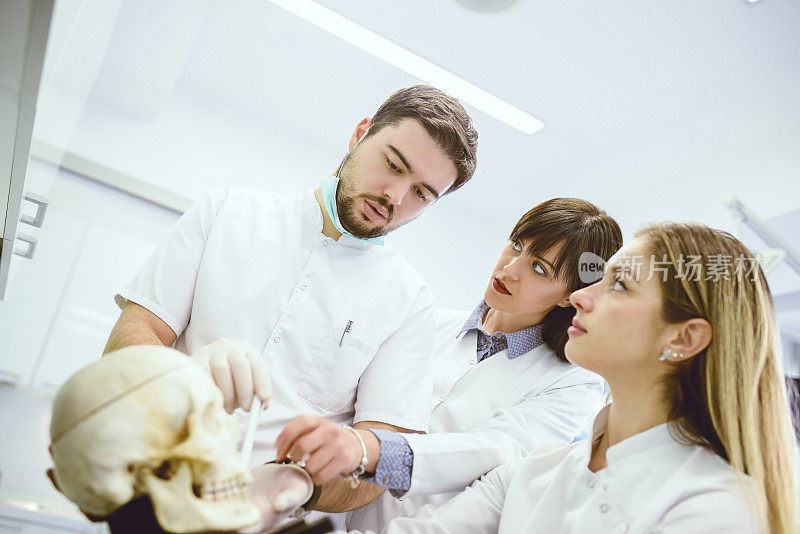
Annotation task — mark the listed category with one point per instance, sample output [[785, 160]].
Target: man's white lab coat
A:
[[345, 327]]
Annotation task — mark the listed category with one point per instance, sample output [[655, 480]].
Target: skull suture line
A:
[[147, 420]]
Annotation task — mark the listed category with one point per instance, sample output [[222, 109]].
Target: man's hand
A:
[[238, 370], [326, 449]]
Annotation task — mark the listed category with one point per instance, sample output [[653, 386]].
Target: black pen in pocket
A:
[[346, 330]]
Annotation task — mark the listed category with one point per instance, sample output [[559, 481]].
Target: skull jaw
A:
[[178, 510]]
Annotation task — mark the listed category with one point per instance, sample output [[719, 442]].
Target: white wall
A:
[[59, 311], [25, 420]]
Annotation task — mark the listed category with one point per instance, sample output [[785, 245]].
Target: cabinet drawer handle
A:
[[41, 209], [32, 241]]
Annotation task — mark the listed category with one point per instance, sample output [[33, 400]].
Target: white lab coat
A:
[[652, 484], [255, 266], [485, 414]]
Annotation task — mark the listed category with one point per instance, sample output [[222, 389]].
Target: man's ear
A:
[[359, 132], [564, 303], [690, 338]]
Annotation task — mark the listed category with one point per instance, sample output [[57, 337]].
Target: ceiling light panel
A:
[[419, 67]]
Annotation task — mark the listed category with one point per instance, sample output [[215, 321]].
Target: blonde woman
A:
[[697, 438]]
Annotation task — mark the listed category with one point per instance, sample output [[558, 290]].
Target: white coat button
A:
[[324, 243], [591, 483], [276, 339], [303, 287], [603, 508]]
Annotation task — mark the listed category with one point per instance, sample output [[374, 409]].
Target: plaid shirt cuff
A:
[[395, 463]]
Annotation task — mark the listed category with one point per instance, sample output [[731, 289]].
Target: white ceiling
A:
[[653, 110]]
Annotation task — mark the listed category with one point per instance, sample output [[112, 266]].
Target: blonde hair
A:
[[730, 398]]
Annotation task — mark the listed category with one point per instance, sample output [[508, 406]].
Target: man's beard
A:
[[346, 197]]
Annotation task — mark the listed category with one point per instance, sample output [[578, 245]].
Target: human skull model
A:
[[148, 420]]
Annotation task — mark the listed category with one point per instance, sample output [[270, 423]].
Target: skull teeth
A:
[[225, 489]]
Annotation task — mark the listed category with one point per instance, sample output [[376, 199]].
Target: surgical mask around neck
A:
[[329, 187]]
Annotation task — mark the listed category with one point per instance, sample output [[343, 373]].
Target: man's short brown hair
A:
[[442, 116]]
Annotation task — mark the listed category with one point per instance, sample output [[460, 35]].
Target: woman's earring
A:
[[677, 355], [664, 356]]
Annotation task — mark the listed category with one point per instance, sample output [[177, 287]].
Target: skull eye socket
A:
[[211, 420], [165, 471]]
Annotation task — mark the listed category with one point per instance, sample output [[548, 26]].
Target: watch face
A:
[[281, 490]]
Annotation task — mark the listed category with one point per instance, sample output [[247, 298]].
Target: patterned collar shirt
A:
[[517, 343], [395, 465]]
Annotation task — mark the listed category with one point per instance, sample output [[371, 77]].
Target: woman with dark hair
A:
[[697, 438], [502, 382]]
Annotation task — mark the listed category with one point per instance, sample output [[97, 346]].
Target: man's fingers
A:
[[317, 461], [324, 448], [238, 370], [261, 380], [242, 373], [327, 473], [221, 371], [305, 445], [298, 426]]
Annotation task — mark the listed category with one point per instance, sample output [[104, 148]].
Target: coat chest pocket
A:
[[332, 377]]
